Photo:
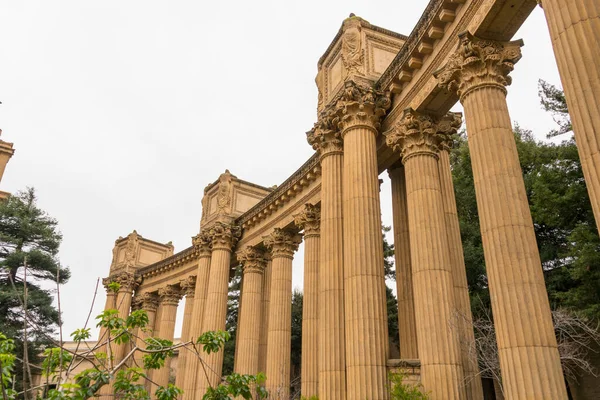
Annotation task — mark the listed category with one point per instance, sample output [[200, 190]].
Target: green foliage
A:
[[55, 359], [114, 286], [7, 364], [554, 101], [28, 234], [238, 386], [81, 334], [171, 392], [127, 386], [403, 391], [159, 349], [213, 341]]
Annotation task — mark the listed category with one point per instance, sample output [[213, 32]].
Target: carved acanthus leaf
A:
[[203, 243], [224, 235], [325, 136], [309, 219], [448, 126], [479, 62], [360, 106], [127, 280], [145, 301], [170, 295], [188, 285], [282, 243], [253, 260], [418, 133]]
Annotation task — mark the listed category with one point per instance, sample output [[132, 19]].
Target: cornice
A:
[[289, 189], [170, 263]]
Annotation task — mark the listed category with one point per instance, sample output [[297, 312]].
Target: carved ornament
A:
[[145, 301], [170, 295], [253, 260], [448, 126], [224, 235], [352, 49], [225, 193], [479, 63], [420, 134], [282, 243], [325, 136], [188, 285], [202, 243], [131, 249], [309, 219], [360, 106], [127, 280]]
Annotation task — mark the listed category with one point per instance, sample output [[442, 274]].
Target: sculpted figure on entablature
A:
[[309, 219], [131, 249], [352, 49], [225, 193], [479, 62], [253, 260], [283, 242], [418, 133]]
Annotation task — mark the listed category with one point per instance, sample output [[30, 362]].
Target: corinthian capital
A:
[[253, 260], [479, 62], [282, 243], [145, 301], [127, 281], [224, 236], [202, 242], [309, 219], [188, 285], [418, 133], [325, 136], [170, 295], [447, 127], [360, 106]]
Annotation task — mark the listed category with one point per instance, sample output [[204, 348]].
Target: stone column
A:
[[529, 358], [282, 244], [149, 303], [264, 321], [404, 286], [169, 297], [416, 137], [574, 27], [462, 313], [309, 221], [223, 237], [188, 286], [326, 139], [203, 244], [248, 336], [365, 306], [110, 304], [128, 282]]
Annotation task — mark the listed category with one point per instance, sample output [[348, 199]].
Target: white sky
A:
[[123, 111]]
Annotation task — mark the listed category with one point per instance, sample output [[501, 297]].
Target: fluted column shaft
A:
[[123, 304], [264, 322], [404, 286], [575, 32], [192, 364], [331, 327], [365, 305], [529, 357], [528, 353], [283, 245], [215, 314], [462, 301], [149, 303], [309, 221], [248, 335], [167, 309], [109, 305], [189, 286]]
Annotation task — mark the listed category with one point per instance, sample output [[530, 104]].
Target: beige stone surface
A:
[[6, 152], [188, 286], [282, 244], [309, 220], [248, 335], [528, 351], [190, 369], [223, 238], [264, 326], [404, 286], [575, 29], [417, 138], [462, 316], [326, 140], [365, 306]]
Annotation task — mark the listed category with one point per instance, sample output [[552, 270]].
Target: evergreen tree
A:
[[28, 237]]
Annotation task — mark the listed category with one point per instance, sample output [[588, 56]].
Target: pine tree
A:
[[28, 238]]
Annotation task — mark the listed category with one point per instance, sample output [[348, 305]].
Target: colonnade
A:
[[345, 346]]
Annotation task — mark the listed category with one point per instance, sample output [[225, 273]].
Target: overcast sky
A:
[[121, 112]]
